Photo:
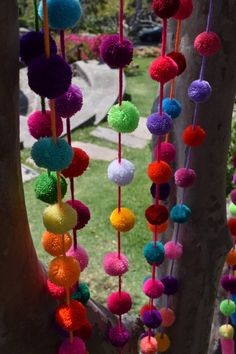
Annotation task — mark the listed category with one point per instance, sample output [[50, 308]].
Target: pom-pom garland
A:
[[39, 124], [194, 136], [180, 213], [164, 191], [170, 285], [59, 219], [71, 102], [115, 264], [173, 250], [118, 336], [76, 347], [168, 317], [54, 244], [122, 220], [157, 214], [154, 253], [159, 172], [199, 91], [185, 9], [168, 152], [78, 165], [121, 173], [228, 283], [165, 8], [227, 307], [80, 254], [64, 271], [148, 345], [163, 342], [207, 43], [123, 118], [45, 187], [119, 303], [145, 308], [152, 319], [70, 317], [57, 292], [226, 331], [180, 60], [172, 107], [185, 177], [83, 213], [163, 69], [84, 331], [81, 293], [153, 288], [159, 124]]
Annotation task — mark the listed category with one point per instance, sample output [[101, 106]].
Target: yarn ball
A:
[[165, 8], [45, 187], [159, 124], [49, 77], [228, 283], [207, 43], [231, 223], [119, 302], [152, 318], [185, 177], [156, 214], [32, 46], [78, 165], [172, 107], [59, 219], [226, 331], [148, 345], [170, 284], [80, 255], [123, 118], [180, 60], [163, 69], [180, 213], [69, 103], [85, 331], [154, 254], [54, 157], [164, 191], [159, 228], [116, 53], [199, 91], [168, 317], [54, 244], [118, 336], [163, 342], [81, 293], [115, 266], [232, 209], [159, 172], [233, 196], [61, 14], [122, 220], [145, 308], [64, 271], [193, 136], [185, 9], [39, 124], [173, 250], [83, 213], [70, 317], [168, 152], [76, 347], [153, 288], [231, 257], [121, 173], [57, 292], [227, 307]]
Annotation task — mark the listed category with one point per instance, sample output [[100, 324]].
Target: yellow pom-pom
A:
[[163, 342], [53, 243], [64, 271], [226, 331], [122, 220], [58, 219]]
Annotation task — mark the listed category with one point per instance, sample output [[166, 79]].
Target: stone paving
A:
[[28, 173]]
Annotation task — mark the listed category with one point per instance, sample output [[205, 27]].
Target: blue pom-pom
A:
[[164, 190], [172, 107], [180, 213], [62, 14], [54, 157], [152, 254]]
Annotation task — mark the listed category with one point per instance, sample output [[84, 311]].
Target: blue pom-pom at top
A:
[[172, 107], [62, 14], [152, 254], [180, 213], [54, 157]]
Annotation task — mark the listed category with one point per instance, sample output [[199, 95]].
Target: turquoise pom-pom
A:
[[54, 157], [180, 213], [154, 254], [82, 293], [62, 14], [123, 118], [172, 107]]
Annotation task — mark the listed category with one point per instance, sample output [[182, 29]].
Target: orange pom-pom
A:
[[71, 317], [168, 317], [53, 243], [160, 228], [64, 271], [231, 257], [193, 136], [232, 226], [148, 346], [159, 172]]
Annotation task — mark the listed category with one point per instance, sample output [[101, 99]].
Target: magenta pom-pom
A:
[[168, 152], [185, 9], [173, 250], [80, 255], [185, 177], [233, 196], [119, 302], [70, 102], [115, 265], [83, 213], [57, 292], [227, 346], [153, 288], [39, 124], [77, 346], [207, 44], [118, 336]]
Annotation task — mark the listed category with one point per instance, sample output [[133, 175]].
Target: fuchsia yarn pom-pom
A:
[[153, 288], [118, 336], [180, 60], [185, 9], [83, 213], [119, 303], [165, 8], [168, 152], [185, 177], [233, 196], [76, 347], [80, 255], [173, 250], [148, 345], [207, 43], [39, 124], [55, 291], [115, 266], [163, 69], [70, 102]]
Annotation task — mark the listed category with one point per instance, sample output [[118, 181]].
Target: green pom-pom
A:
[[227, 307], [82, 293], [232, 209], [46, 187], [123, 118]]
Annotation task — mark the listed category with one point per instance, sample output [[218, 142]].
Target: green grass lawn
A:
[[94, 189]]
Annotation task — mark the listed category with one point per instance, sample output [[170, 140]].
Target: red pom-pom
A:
[[185, 10], [232, 226], [207, 43], [163, 69], [71, 317], [78, 165], [165, 8], [145, 308], [193, 136], [85, 330], [157, 214], [57, 292], [159, 172], [119, 303], [180, 60]]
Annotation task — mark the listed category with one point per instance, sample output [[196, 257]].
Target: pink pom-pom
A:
[[57, 292], [115, 266], [163, 69], [153, 288], [185, 177], [227, 346], [168, 152], [80, 255], [119, 303], [76, 347], [39, 124], [185, 9], [148, 345], [173, 250], [207, 43], [168, 317]]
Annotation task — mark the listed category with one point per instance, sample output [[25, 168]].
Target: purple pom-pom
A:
[[199, 91], [185, 177], [116, 54], [83, 213], [70, 102], [118, 336], [32, 46], [49, 77], [152, 319], [228, 283], [159, 124], [170, 285], [233, 196]]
